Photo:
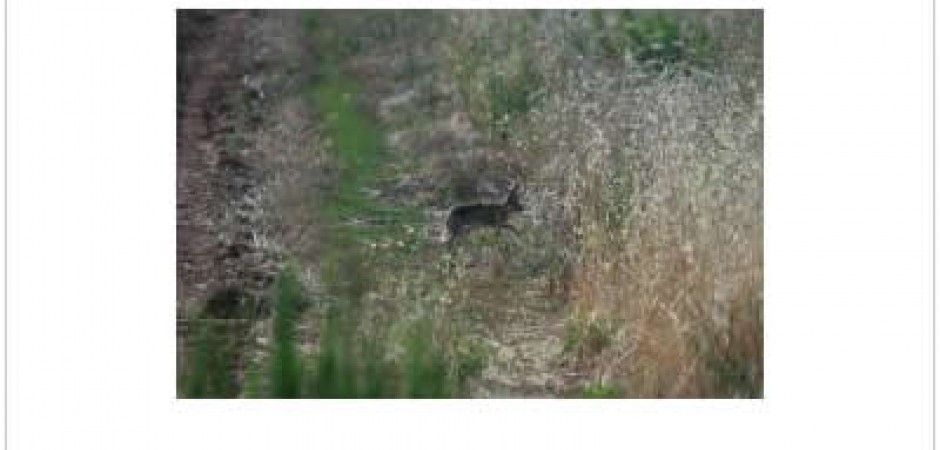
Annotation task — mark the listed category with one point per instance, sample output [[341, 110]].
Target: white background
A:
[[91, 252]]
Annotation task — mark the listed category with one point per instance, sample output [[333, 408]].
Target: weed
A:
[[497, 76], [378, 378], [426, 373], [286, 364], [334, 375], [253, 387], [655, 40], [347, 275], [599, 390], [587, 335], [471, 358], [511, 95], [349, 365], [210, 371]]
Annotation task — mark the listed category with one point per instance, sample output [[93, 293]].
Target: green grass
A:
[[599, 390], [347, 364], [587, 336], [351, 365], [426, 373], [359, 152], [354, 357], [357, 144], [657, 40], [210, 370], [471, 358], [334, 366], [253, 387], [354, 219], [286, 369], [356, 222]]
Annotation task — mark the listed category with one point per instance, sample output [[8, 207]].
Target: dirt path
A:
[[206, 72], [525, 331], [235, 107]]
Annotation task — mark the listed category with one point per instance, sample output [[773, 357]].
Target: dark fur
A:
[[465, 218]]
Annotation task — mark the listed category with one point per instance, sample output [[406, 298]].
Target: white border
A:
[[91, 215]]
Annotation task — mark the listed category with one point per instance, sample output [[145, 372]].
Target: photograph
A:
[[469, 204]]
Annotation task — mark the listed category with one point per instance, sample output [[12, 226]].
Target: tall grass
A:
[[349, 361], [210, 370], [286, 364], [657, 182]]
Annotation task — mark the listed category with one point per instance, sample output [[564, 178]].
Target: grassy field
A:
[[636, 269]]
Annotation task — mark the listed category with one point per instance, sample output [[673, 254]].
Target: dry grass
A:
[[658, 182]]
